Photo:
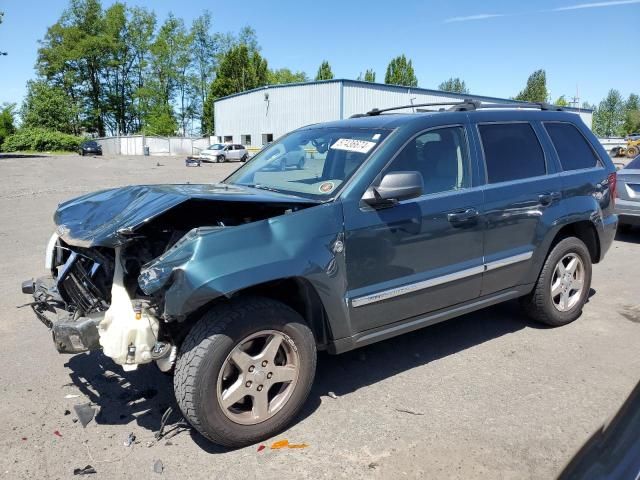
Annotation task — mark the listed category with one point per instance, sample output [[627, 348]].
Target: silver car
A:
[[219, 152], [628, 188]]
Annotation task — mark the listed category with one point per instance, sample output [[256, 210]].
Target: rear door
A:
[[521, 200]]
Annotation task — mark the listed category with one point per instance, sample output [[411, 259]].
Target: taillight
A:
[[612, 180]]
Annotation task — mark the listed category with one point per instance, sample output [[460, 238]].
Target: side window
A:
[[573, 149], [511, 151], [441, 157]]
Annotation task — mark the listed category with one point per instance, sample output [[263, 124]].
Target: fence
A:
[[134, 145]]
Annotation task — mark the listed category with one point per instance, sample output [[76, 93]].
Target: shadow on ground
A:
[[631, 235], [21, 155], [144, 394]]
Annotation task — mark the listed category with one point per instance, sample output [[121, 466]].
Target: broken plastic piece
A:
[[85, 413], [261, 447], [130, 439], [71, 396], [158, 467], [84, 471], [298, 445], [57, 433], [279, 444]]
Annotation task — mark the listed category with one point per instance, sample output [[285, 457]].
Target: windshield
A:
[[313, 163], [215, 146]]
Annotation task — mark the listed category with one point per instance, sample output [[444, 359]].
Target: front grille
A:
[[78, 284]]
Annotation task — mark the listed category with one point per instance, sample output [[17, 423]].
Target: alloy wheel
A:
[[567, 282]]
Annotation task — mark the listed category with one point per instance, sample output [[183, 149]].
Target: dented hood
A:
[[100, 218]]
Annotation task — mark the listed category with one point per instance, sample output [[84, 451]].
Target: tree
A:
[[400, 72], [1, 17], [49, 106], [631, 122], [536, 88], [160, 121], [204, 50], [7, 126], [324, 71], [561, 101], [454, 85], [370, 76], [284, 75], [608, 117]]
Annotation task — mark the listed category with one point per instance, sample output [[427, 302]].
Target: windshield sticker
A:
[[326, 187], [350, 145], [376, 137]]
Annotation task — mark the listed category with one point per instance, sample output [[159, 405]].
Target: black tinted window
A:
[[440, 156], [573, 149], [511, 152]]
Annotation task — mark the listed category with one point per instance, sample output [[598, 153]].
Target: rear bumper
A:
[[628, 211], [607, 233], [71, 334]]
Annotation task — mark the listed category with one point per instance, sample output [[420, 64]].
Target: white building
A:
[[259, 116]]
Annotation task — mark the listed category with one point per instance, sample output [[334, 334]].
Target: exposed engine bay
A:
[[93, 298]]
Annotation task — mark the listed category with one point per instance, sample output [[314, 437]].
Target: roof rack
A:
[[462, 106]]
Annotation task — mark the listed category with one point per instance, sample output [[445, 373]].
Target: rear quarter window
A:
[[573, 149], [511, 151]]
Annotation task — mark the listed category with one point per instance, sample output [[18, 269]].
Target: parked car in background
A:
[[90, 147], [400, 222], [220, 153], [628, 201], [281, 159]]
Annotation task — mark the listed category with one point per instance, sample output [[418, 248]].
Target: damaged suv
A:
[[393, 223]]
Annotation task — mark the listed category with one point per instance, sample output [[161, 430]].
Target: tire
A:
[[244, 158], [540, 304], [632, 152], [624, 227], [207, 350], [615, 151], [221, 159]]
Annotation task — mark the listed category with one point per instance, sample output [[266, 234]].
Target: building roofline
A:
[[396, 88]]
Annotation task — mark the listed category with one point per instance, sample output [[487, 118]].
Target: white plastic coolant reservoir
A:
[[127, 340]]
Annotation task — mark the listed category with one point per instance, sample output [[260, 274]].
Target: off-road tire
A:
[[539, 304], [205, 350]]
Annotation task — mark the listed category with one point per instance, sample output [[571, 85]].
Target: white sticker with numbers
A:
[[358, 146]]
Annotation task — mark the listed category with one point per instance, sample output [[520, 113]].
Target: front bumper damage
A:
[[71, 334]]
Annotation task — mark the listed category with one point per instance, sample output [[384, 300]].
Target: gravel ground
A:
[[487, 395]]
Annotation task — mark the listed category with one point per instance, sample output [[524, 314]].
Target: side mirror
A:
[[394, 187]]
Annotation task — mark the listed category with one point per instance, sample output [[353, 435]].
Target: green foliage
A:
[[284, 75], [7, 126], [608, 117], [160, 121], [41, 140], [561, 101], [400, 72], [240, 69], [49, 106], [454, 85], [631, 123], [324, 71], [369, 76], [536, 88]]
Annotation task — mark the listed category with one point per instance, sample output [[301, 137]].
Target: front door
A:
[[422, 254]]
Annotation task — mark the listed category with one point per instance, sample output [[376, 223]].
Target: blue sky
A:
[[584, 45]]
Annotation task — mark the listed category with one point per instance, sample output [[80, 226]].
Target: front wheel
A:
[[220, 159], [244, 158], [563, 285], [245, 370]]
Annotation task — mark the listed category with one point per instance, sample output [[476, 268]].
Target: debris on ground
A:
[[71, 396], [85, 413], [192, 162], [410, 412], [163, 422], [373, 465], [67, 412], [158, 467], [261, 447], [279, 444], [84, 471], [57, 433], [130, 439], [332, 395]]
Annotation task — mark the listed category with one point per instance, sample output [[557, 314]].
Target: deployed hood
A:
[[106, 217]]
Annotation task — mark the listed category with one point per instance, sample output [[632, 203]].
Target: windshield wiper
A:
[[260, 187]]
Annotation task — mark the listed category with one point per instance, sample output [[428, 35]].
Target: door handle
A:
[[468, 215], [549, 198]]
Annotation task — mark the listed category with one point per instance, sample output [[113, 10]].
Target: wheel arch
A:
[[584, 230]]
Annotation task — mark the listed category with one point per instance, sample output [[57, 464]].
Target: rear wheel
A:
[[632, 152], [563, 285], [244, 371]]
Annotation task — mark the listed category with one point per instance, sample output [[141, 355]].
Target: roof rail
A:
[[462, 106]]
